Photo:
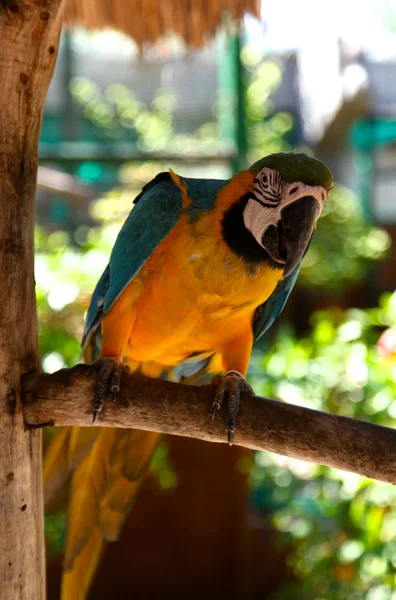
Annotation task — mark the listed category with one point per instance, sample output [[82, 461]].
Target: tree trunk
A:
[[29, 38]]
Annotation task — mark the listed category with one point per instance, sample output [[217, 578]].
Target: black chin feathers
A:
[[239, 239]]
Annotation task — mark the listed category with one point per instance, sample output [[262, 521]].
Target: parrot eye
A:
[[264, 180]]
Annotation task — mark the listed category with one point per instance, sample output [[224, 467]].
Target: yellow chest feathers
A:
[[195, 265]]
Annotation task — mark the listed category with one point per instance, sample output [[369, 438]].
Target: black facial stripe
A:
[[271, 199], [239, 239], [265, 204], [251, 196], [278, 180], [269, 192]]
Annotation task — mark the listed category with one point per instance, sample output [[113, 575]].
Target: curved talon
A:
[[96, 412], [116, 382], [231, 386], [109, 376], [230, 436], [215, 408], [114, 393]]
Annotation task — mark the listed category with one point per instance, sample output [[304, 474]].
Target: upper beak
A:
[[288, 243]]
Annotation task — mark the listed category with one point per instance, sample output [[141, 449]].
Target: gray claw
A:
[[215, 408], [109, 376], [116, 382], [96, 412], [114, 392], [230, 436], [231, 386]]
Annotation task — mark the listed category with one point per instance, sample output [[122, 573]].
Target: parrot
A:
[[200, 270]]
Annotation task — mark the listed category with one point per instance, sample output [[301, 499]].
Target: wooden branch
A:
[[29, 37], [59, 182], [65, 398]]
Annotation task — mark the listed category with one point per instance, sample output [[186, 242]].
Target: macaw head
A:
[[282, 209]]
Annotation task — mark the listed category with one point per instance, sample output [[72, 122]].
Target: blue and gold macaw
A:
[[199, 271]]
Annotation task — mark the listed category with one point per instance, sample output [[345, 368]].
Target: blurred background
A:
[[316, 76]]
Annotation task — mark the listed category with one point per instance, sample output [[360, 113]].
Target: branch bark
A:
[[29, 36], [66, 397]]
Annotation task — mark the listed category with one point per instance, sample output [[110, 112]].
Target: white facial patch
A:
[[270, 196]]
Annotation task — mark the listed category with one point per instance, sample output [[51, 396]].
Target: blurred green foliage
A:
[[339, 528], [66, 273], [55, 530], [118, 115], [267, 131], [344, 246]]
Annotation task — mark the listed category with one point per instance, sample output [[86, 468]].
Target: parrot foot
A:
[[109, 377], [229, 388]]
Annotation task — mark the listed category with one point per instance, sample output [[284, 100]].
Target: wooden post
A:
[[29, 38]]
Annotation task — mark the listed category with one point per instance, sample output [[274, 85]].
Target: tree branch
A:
[[66, 397]]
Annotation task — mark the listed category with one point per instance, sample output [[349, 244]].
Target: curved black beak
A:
[[298, 220], [288, 242]]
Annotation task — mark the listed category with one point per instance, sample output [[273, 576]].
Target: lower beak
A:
[[289, 240], [298, 221]]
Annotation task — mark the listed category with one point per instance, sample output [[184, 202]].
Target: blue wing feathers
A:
[[150, 221], [203, 193], [164, 176], [272, 308], [95, 309]]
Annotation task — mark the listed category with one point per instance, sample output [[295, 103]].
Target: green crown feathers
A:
[[297, 167]]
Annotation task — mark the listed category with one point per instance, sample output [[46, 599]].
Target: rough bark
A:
[[29, 37], [66, 398]]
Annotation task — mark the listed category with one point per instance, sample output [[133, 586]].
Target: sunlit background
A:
[[316, 76]]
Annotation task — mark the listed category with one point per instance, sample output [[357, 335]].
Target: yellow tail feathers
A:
[[76, 581], [67, 449], [104, 484]]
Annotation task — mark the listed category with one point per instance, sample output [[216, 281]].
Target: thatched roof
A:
[[146, 20]]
